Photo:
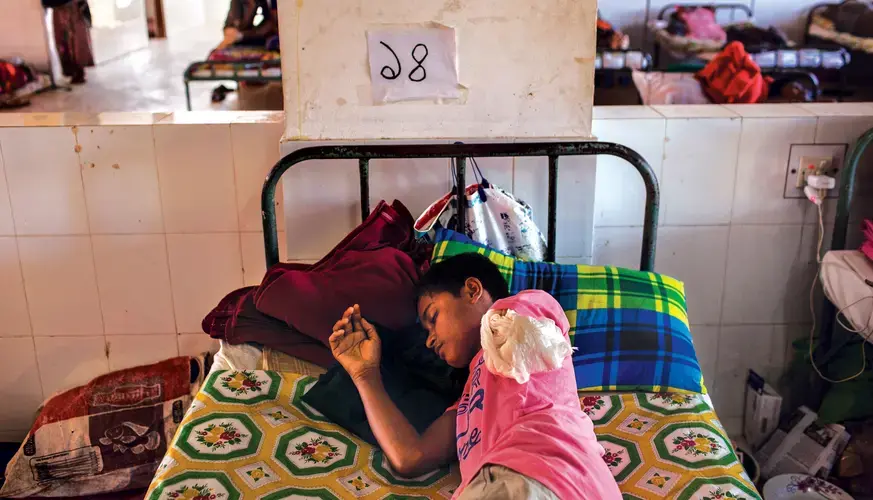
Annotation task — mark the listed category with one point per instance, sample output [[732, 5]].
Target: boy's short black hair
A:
[[451, 274]]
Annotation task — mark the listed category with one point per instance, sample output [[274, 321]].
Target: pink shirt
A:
[[536, 429]]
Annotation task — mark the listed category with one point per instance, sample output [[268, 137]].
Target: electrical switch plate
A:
[[801, 156]]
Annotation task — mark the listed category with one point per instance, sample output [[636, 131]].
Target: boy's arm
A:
[[410, 454], [356, 345]]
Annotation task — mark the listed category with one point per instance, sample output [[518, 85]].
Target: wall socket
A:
[[825, 159], [813, 165]]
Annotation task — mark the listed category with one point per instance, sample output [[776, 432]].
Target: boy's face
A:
[[452, 322]]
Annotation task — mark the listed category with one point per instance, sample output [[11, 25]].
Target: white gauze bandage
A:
[[516, 346]]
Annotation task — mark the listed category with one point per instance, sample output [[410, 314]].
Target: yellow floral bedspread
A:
[[248, 435], [666, 445]]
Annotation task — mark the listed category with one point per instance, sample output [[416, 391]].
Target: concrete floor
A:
[[146, 80]]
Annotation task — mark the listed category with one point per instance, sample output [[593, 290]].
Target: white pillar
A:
[[528, 68]]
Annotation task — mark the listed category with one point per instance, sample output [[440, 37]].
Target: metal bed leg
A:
[[364, 176], [553, 203], [188, 94], [461, 175]]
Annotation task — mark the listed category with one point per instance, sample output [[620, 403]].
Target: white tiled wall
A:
[[328, 191], [118, 233], [745, 253]]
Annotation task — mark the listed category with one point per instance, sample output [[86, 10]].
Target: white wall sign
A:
[[419, 63]]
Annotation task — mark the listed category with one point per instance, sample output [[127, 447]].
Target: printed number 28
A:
[[418, 72]]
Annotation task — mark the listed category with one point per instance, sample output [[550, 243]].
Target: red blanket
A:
[[295, 307]]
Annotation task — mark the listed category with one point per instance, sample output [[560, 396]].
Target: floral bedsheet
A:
[[248, 435], [667, 445]]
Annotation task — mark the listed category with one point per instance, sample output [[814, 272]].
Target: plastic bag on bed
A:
[[494, 218]]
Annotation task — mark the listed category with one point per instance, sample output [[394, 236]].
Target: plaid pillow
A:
[[630, 327]]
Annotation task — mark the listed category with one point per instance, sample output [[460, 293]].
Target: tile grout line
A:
[[21, 275], [660, 176], [720, 224], [29, 318], [81, 166], [815, 135], [8, 193], [724, 282], [99, 301], [736, 171], [166, 238], [236, 204]]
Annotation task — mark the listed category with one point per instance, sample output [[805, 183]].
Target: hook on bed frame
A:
[[460, 152]]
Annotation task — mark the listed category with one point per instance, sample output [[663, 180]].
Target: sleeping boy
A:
[[513, 440]]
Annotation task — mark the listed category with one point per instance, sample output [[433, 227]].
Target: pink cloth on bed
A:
[[867, 245], [536, 429], [702, 25]]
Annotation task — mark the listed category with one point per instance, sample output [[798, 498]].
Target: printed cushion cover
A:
[[630, 327]]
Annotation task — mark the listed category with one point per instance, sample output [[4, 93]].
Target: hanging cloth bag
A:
[[494, 218]]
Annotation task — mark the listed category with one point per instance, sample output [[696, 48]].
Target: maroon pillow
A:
[[369, 267]]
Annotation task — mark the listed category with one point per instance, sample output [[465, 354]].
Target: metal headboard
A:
[[747, 9], [460, 152]]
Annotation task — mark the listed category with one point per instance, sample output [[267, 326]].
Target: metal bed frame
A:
[[612, 78], [857, 70], [460, 152], [748, 9], [806, 73], [828, 326], [808, 78]]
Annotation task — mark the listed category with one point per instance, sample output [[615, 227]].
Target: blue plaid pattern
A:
[[630, 327]]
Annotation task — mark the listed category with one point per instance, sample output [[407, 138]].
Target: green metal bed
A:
[[832, 338], [607, 411], [236, 71], [460, 152]]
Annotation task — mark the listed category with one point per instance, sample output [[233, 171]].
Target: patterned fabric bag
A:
[[495, 218]]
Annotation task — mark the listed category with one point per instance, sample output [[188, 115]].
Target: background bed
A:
[[681, 47], [612, 75], [240, 64], [659, 445], [859, 71], [825, 61]]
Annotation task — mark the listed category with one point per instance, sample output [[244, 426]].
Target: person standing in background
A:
[[240, 28], [71, 20]]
